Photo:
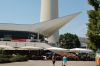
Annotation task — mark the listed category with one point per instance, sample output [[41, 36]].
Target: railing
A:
[[22, 44]]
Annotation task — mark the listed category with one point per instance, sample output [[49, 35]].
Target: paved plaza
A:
[[49, 63]]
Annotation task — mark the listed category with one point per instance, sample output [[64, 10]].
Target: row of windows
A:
[[8, 35]]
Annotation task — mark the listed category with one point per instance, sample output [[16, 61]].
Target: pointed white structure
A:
[[49, 11], [50, 27], [45, 28]]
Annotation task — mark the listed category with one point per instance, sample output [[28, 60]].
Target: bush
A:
[[9, 58], [19, 58], [4, 58], [87, 57]]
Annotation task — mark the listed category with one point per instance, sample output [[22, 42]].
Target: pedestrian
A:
[[53, 59], [65, 59]]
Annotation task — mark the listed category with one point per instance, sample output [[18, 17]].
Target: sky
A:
[[28, 12]]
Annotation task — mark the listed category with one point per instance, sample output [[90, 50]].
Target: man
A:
[[53, 59]]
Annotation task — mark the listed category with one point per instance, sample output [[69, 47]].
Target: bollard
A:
[[98, 57]]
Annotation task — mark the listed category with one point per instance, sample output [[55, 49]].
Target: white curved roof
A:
[[45, 28]]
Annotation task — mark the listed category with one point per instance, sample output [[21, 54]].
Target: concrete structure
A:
[[48, 27], [43, 28], [49, 11]]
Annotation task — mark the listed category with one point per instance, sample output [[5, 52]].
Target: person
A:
[[53, 59], [65, 59]]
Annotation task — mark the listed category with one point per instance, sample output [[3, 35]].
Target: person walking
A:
[[53, 59], [65, 59]]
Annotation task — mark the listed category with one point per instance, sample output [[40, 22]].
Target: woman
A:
[[65, 59]]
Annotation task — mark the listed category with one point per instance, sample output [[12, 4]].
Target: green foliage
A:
[[10, 58], [5, 58], [69, 41], [94, 3], [19, 58], [93, 31], [86, 57]]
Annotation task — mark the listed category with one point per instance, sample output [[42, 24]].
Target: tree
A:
[[69, 41], [93, 31]]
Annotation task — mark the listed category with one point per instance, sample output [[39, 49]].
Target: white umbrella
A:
[[30, 48], [4, 47], [81, 50], [56, 48], [60, 51]]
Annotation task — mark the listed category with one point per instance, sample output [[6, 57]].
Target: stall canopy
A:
[[60, 51], [81, 50]]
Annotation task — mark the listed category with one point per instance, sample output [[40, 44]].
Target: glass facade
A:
[[18, 35]]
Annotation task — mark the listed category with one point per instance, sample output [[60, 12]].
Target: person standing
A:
[[65, 59], [53, 59]]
